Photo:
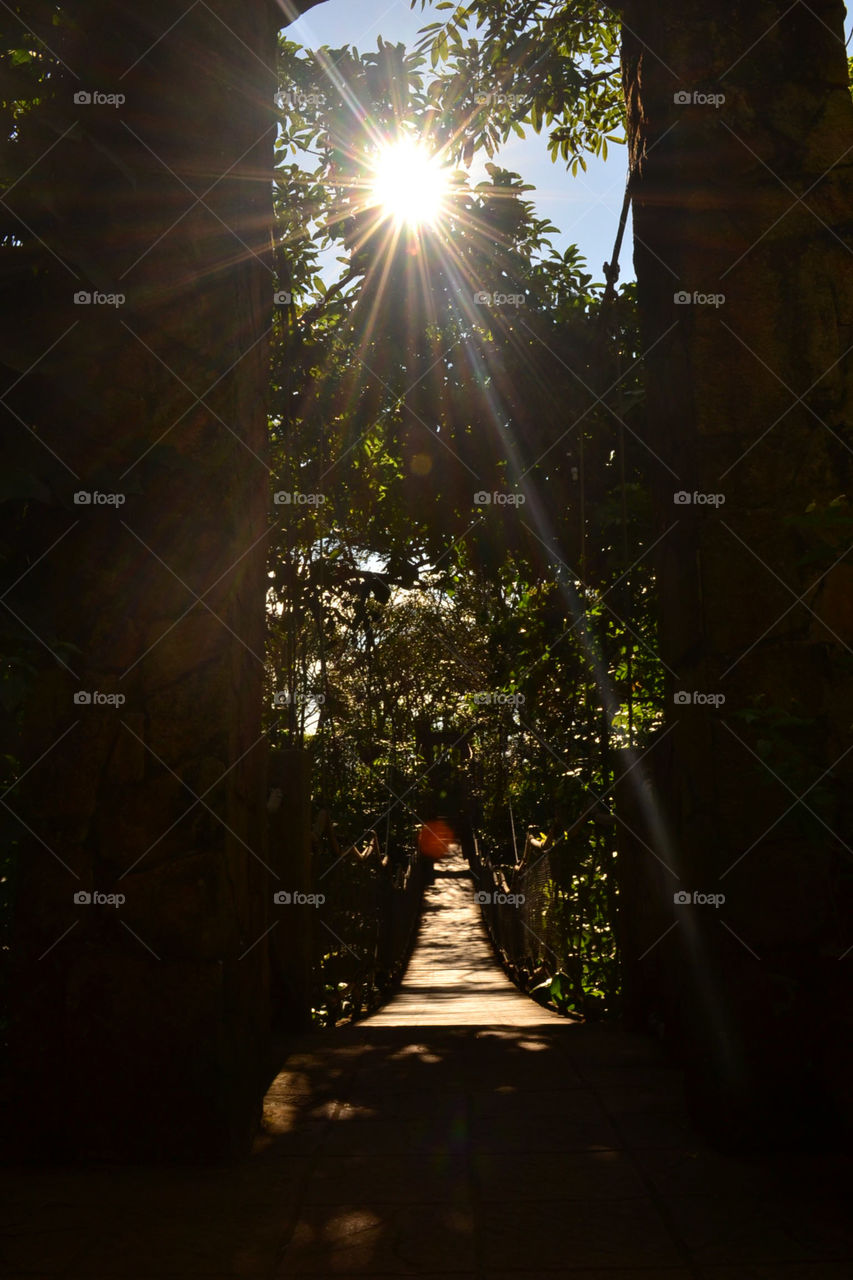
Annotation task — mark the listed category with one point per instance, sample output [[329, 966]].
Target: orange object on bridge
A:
[[435, 838]]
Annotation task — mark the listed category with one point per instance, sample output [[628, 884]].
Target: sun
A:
[[408, 184]]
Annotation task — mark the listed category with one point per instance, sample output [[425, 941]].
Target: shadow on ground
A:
[[418, 1143]]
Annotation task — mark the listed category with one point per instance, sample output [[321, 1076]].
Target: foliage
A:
[[438, 655], [527, 62]]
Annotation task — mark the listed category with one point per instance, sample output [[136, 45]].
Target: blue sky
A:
[[585, 208]]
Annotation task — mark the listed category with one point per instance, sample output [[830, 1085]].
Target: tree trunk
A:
[[743, 203], [141, 1028]]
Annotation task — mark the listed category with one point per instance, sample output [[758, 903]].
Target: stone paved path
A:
[[486, 1140]]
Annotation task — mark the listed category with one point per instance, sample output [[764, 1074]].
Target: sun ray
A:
[[408, 184]]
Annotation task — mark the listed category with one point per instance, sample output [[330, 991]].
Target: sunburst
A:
[[408, 185]]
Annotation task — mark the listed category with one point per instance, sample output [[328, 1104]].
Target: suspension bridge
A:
[[452, 978]]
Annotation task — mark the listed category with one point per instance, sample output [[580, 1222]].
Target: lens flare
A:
[[408, 184]]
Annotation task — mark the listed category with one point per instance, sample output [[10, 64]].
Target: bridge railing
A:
[[551, 917], [365, 925]]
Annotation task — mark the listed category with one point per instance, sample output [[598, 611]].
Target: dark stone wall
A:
[[140, 1029], [742, 194]]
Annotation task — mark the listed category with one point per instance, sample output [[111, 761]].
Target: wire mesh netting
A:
[[552, 919], [365, 925]]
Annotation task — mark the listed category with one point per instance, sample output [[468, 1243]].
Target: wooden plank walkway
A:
[[460, 1132], [453, 978]]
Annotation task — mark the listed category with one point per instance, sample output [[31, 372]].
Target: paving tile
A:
[[381, 1239], [44, 1250], [645, 1119], [548, 1175], [518, 1131], [644, 1079], [291, 1128], [241, 1245], [599, 1273], [695, 1170], [597, 1045], [324, 1053], [411, 1076], [276, 1181], [740, 1231], [508, 1103], [395, 1137], [519, 1059], [390, 1179], [442, 1109], [574, 1234], [782, 1271]]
